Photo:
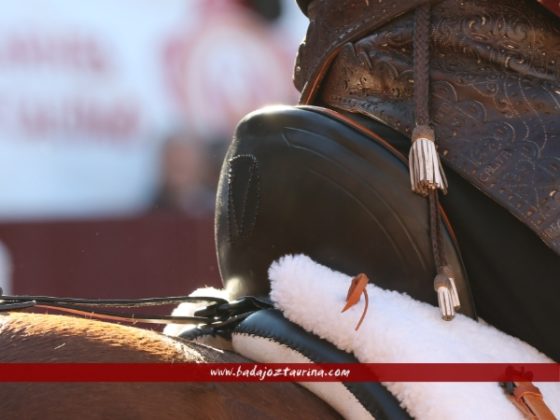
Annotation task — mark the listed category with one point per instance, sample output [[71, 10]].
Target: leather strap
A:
[[218, 315], [357, 288], [528, 398]]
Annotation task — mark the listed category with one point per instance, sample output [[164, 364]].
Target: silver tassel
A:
[[448, 297], [426, 172]]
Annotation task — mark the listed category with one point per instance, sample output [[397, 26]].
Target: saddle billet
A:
[[307, 180]]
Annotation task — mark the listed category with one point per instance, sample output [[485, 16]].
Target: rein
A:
[[220, 314]]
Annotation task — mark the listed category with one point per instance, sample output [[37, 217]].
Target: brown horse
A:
[[31, 337]]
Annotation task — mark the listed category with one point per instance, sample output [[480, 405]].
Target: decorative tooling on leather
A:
[[495, 71], [243, 196], [333, 23]]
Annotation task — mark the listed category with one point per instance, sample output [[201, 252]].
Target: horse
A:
[[49, 338]]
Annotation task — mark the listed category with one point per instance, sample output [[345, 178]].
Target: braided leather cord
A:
[[422, 64], [422, 30]]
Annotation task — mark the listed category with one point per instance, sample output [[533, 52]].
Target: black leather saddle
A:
[[308, 180]]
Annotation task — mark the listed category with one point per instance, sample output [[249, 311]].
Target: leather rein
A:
[[218, 315]]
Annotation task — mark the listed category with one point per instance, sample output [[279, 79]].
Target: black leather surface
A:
[[514, 275], [271, 324], [298, 181]]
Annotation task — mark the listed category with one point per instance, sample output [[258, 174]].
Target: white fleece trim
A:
[[267, 350], [400, 329], [188, 309]]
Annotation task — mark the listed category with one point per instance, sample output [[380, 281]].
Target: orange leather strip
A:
[[356, 289], [528, 398]]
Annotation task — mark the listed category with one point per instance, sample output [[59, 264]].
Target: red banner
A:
[[278, 372]]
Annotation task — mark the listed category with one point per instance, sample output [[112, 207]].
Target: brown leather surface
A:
[[333, 24], [495, 70], [529, 400]]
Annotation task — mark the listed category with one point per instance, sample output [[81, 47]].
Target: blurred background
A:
[[114, 120]]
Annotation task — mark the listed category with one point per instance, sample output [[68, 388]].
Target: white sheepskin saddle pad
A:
[[396, 329]]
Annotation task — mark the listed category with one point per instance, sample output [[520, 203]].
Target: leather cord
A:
[[440, 259], [422, 29], [525, 396], [219, 314], [422, 64]]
